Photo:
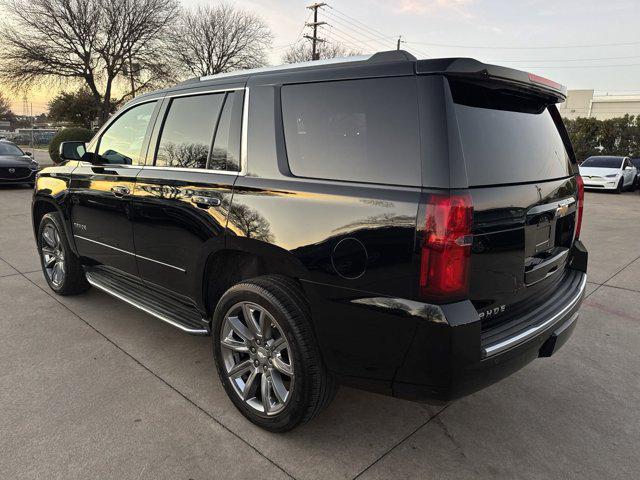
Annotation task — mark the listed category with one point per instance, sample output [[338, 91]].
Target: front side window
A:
[[356, 130], [187, 133], [122, 142]]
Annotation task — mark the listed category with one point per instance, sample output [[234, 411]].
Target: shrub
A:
[[67, 135]]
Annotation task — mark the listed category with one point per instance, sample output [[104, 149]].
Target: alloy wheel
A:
[[52, 254], [257, 358]]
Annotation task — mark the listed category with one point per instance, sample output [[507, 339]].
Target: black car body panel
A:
[[352, 240]]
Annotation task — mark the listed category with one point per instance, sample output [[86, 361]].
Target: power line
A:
[[348, 21], [569, 59], [589, 66], [367, 39], [360, 24], [548, 47], [355, 23], [353, 38]]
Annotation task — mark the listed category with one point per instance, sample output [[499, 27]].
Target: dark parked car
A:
[[16, 166], [407, 227]]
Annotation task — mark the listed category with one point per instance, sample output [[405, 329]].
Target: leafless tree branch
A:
[[216, 39], [87, 41]]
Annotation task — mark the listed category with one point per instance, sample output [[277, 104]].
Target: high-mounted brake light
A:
[[544, 81], [446, 247], [580, 183]]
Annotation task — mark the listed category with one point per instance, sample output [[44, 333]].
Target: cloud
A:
[[421, 7]]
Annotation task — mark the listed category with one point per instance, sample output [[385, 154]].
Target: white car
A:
[[608, 173]]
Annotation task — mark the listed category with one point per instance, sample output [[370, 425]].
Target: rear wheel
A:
[[266, 354], [61, 267]]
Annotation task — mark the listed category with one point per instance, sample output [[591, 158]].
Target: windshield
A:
[[602, 162], [10, 149]]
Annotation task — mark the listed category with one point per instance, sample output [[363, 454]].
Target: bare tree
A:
[[101, 43], [5, 108], [216, 39], [301, 52]]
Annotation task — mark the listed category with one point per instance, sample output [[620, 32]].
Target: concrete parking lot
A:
[[92, 388]]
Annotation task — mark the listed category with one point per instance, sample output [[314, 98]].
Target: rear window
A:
[[357, 130], [507, 137], [603, 162]]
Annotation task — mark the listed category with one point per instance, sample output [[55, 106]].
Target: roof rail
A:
[[392, 55]]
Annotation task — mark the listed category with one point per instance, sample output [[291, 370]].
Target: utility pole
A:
[[399, 42], [315, 55]]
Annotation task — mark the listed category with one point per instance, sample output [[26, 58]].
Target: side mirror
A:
[[28, 154], [72, 150], [628, 168]]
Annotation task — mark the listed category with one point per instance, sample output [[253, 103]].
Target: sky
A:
[[583, 44]]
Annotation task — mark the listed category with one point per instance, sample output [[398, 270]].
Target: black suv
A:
[[407, 227]]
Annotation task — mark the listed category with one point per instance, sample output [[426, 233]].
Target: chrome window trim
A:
[[130, 253], [243, 138], [203, 92], [244, 134], [533, 331], [195, 170]]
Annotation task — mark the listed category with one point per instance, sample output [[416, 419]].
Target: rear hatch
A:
[[524, 193]]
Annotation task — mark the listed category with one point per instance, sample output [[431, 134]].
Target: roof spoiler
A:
[[473, 69]]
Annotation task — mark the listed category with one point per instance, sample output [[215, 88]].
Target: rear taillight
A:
[[446, 247], [580, 183]]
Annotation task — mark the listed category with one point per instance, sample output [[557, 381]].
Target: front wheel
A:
[[620, 186], [61, 267], [266, 353]]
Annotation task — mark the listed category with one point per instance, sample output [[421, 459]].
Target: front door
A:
[[182, 197], [101, 191]]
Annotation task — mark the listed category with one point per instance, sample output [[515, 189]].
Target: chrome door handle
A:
[[205, 202], [120, 190]]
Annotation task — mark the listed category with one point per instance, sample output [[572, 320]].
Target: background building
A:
[[583, 103]]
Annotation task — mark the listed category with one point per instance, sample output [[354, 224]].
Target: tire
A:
[[60, 265], [620, 187], [282, 316]]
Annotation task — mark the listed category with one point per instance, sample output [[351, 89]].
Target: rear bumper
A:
[[472, 359]]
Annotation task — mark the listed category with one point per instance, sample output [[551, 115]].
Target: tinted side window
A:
[[226, 146], [122, 142], [358, 130], [188, 130]]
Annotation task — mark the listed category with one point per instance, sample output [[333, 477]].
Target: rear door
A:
[[183, 194], [101, 192], [524, 193]]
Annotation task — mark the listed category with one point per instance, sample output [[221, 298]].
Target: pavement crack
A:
[[438, 421], [401, 441], [176, 390], [603, 284]]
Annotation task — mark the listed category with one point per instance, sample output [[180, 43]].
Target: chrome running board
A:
[[172, 311]]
